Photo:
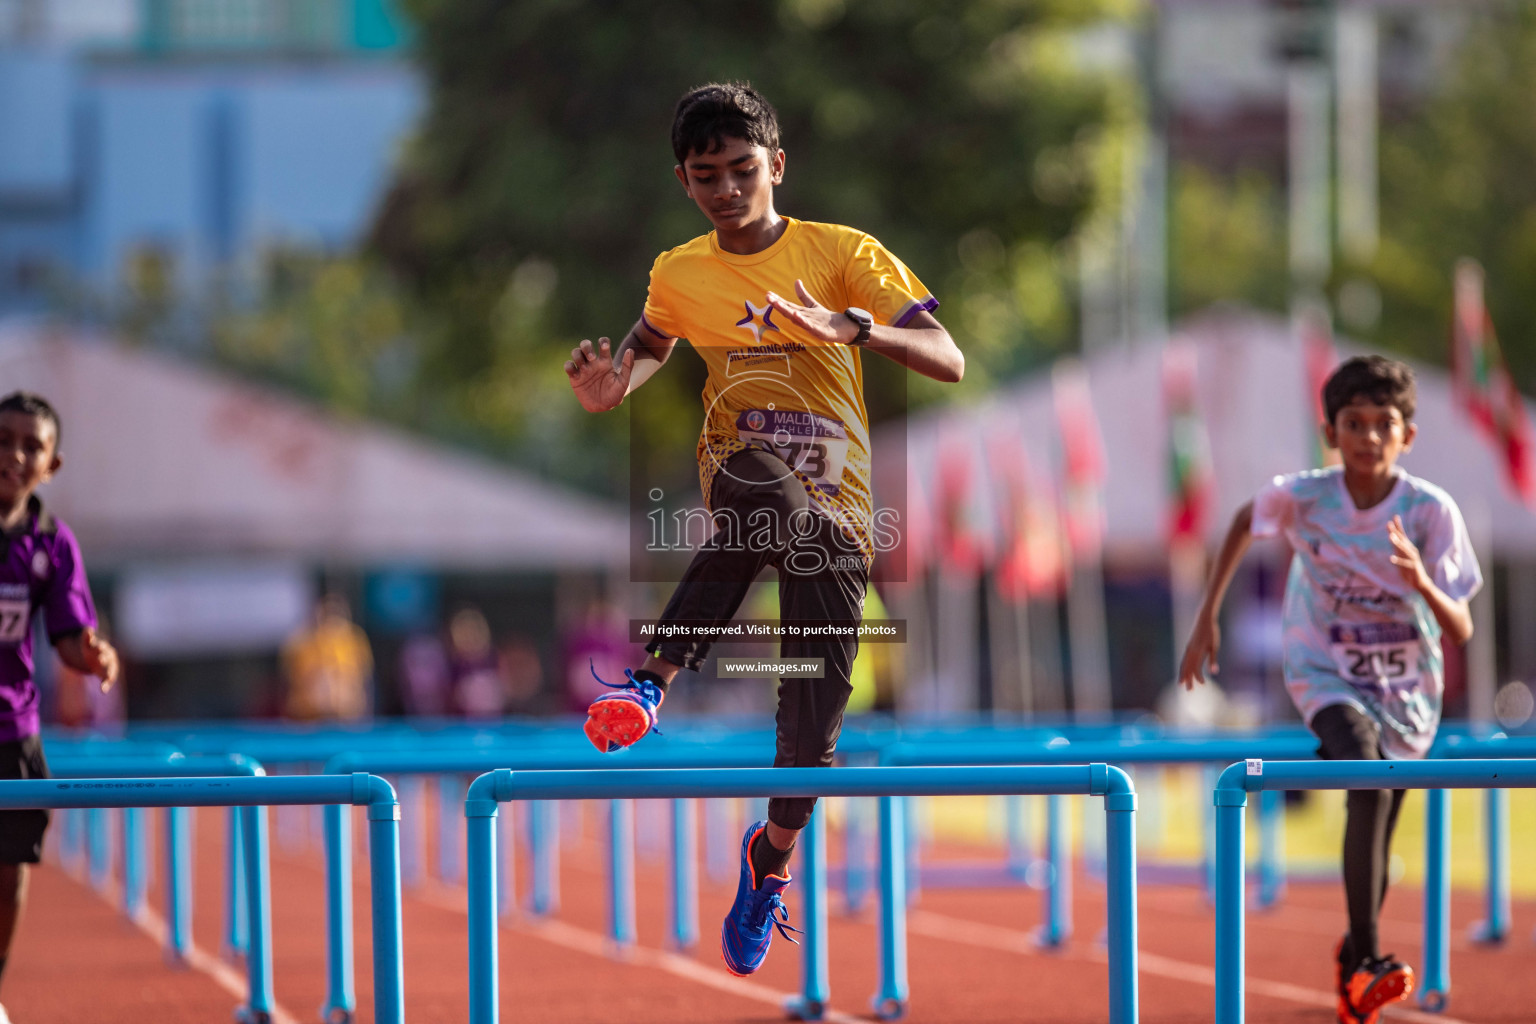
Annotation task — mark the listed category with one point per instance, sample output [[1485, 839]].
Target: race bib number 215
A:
[[1376, 653]]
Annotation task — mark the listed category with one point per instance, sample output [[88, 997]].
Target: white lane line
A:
[[1307, 920], [199, 959], [582, 940], [986, 936]]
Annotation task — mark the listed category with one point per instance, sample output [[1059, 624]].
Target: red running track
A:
[[78, 959]]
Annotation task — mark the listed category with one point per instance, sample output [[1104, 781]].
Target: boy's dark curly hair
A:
[[1376, 378], [34, 405], [708, 115]]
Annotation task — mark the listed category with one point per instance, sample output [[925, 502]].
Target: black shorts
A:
[[21, 832]]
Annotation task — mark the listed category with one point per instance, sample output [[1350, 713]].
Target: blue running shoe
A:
[[615, 720], [758, 910]]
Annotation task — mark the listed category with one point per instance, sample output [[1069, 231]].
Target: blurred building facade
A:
[[180, 140], [1223, 67]]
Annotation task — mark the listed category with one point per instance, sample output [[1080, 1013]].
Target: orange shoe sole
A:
[[1388, 990], [618, 721]]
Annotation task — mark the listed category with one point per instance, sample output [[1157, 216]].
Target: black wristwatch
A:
[[862, 320]]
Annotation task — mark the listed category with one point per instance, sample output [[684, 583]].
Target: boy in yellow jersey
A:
[[784, 460]]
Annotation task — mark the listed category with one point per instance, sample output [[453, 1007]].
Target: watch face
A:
[[860, 314]]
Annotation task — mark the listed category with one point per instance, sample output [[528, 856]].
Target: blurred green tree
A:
[[1229, 240], [974, 137], [1457, 180], [979, 139]]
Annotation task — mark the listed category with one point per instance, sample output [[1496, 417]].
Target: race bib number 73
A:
[[814, 445]]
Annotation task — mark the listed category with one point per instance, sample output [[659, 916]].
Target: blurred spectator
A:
[[329, 666], [523, 671], [600, 643], [474, 671], [424, 676]]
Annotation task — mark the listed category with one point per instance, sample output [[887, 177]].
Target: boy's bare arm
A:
[[1205, 639], [923, 346], [601, 379], [1455, 617]]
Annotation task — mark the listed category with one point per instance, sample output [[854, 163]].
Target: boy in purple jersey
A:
[[41, 569]]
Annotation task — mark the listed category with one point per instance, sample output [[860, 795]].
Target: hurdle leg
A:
[[99, 847], [1208, 777], [258, 957], [913, 832], [1229, 883], [544, 842], [506, 862], [1016, 829], [178, 884], [1057, 928], [236, 927], [815, 988], [1493, 929], [450, 795], [134, 880], [856, 855], [340, 992], [890, 1003], [71, 824], [480, 855], [384, 893], [1120, 885], [1435, 985], [1271, 846], [685, 875], [621, 872], [413, 840], [720, 858]]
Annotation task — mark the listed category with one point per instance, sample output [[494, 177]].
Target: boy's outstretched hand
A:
[[817, 320], [1200, 652], [599, 384], [1405, 555], [88, 653]]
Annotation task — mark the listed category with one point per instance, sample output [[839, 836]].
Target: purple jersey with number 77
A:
[[42, 570]]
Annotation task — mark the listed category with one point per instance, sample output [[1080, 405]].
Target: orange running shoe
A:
[[1375, 983], [616, 720]]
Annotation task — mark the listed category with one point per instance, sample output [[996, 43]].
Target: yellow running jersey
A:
[[770, 384]]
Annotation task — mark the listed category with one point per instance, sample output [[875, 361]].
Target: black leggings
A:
[[764, 517], [1349, 735]]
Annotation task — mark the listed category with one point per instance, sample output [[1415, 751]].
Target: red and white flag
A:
[[1191, 481], [1032, 557], [1483, 385], [957, 536], [1083, 465]]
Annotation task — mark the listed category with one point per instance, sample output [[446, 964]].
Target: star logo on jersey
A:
[[751, 322]]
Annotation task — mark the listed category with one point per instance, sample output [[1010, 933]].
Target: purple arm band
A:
[[928, 303], [650, 327]]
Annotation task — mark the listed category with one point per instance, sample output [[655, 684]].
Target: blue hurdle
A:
[[178, 856], [890, 784], [341, 999], [1231, 798], [253, 793]]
